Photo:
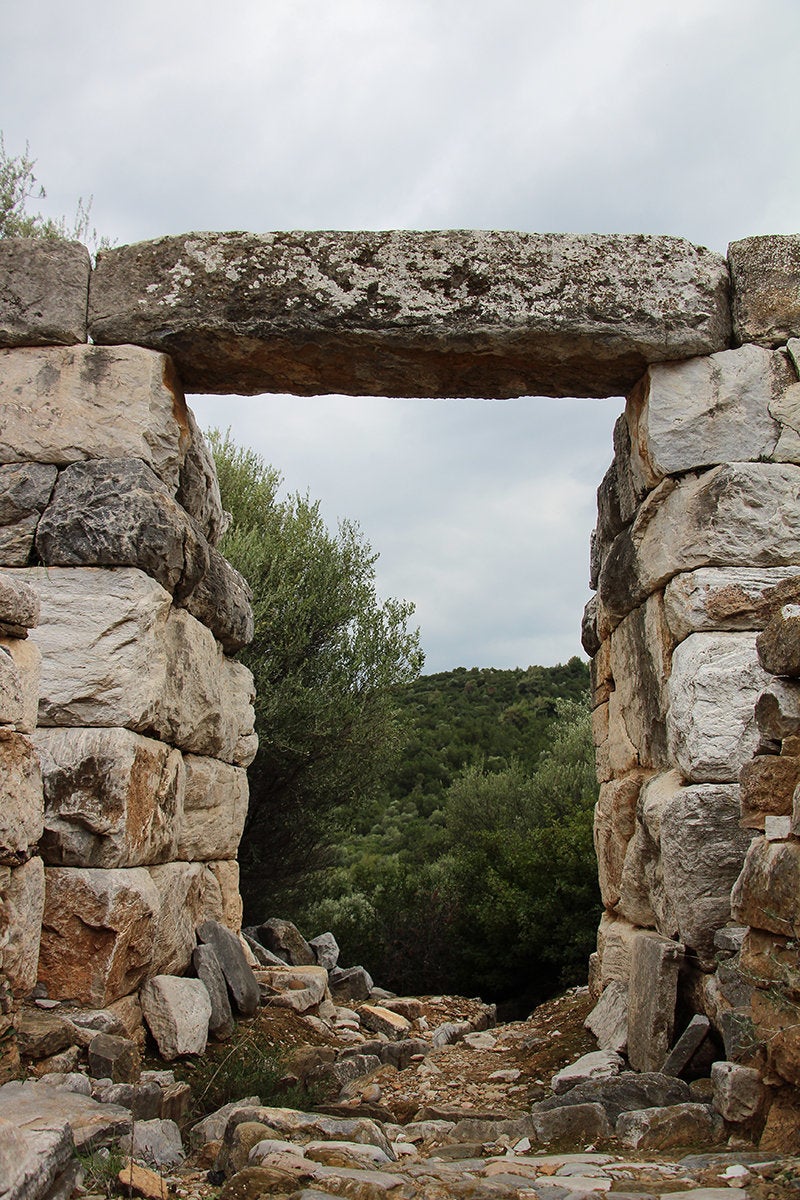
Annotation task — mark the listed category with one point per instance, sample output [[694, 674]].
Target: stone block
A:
[[615, 938], [614, 826], [97, 933], [22, 893], [652, 994], [118, 513], [25, 670], [644, 899], [238, 974], [716, 409], [626, 1092], [115, 653], [765, 278], [350, 984], [198, 489], [775, 1017], [113, 1057], [19, 607], [225, 874], [687, 1045], [599, 1064], [734, 515], [87, 402], [285, 939], [25, 490], [778, 644], [187, 894], [608, 1020], [767, 787], [778, 710], [767, 893], [703, 849], [739, 1093], [379, 1020], [214, 810], [177, 1012], [727, 598], [641, 654], [777, 829], [44, 292], [21, 802], [206, 964], [665, 1128], [781, 1133], [112, 797], [222, 599], [576, 1124], [326, 950], [716, 679], [472, 313]]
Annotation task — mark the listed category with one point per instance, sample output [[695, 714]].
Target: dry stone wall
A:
[[125, 802]]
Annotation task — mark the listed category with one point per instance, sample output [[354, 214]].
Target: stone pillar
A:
[[697, 545]]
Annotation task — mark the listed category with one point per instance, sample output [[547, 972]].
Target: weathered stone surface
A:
[[118, 513], [38, 1106], [727, 598], [214, 810], [298, 988], [716, 679], [34, 1162], [206, 964], [42, 1034], [765, 274], [575, 1123], [778, 710], [186, 897], [62, 406], [777, 829], [739, 1094], [687, 1045], [21, 909], [238, 974], [614, 826], [25, 490], [708, 410], [350, 984], [608, 1020], [177, 1012], [225, 874], [627, 1092], [641, 653], [452, 313], [782, 1130], [702, 851], [652, 993], [157, 1143], [734, 515], [222, 601], [24, 674], [599, 1064], [44, 291], [615, 938], [285, 939], [112, 797], [21, 803], [767, 893], [198, 489], [115, 653], [326, 950], [643, 897], [767, 787], [774, 1013], [97, 932], [778, 644], [664, 1128], [17, 542], [19, 606], [113, 1057], [382, 1020]]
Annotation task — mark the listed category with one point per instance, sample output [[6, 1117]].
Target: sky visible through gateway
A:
[[480, 510]]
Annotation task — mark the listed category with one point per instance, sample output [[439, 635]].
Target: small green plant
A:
[[101, 1169]]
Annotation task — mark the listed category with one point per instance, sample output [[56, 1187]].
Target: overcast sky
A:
[[663, 116]]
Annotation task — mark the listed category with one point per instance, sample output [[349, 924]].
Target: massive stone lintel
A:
[[456, 313]]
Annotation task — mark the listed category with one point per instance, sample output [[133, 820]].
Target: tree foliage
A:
[[327, 657], [19, 187]]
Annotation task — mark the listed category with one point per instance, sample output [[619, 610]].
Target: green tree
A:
[[18, 187], [327, 657]]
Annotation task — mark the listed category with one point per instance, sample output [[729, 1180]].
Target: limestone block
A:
[[198, 489], [177, 1012], [187, 895], [285, 939], [589, 637], [641, 654], [575, 1124], [687, 1045], [599, 1064], [771, 960], [238, 974], [615, 939], [222, 600], [778, 644], [765, 278], [733, 515], [702, 851], [778, 710], [777, 829], [115, 653], [615, 752], [614, 826], [676, 1125], [214, 810], [739, 1093], [716, 679], [652, 993], [454, 313], [644, 899], [775, 1019], [25, 665], [44, 291], [767, 892], [225, 875], [21, 909], [11, 702], [21, 802], [608, 1020], [206, 964], [298, 988], [602, 681], [118, 513], [112, 797], [19, 607], [767, 787], [716, 409], [97, 933], [727, 598], [25, 490], [326, 950]]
